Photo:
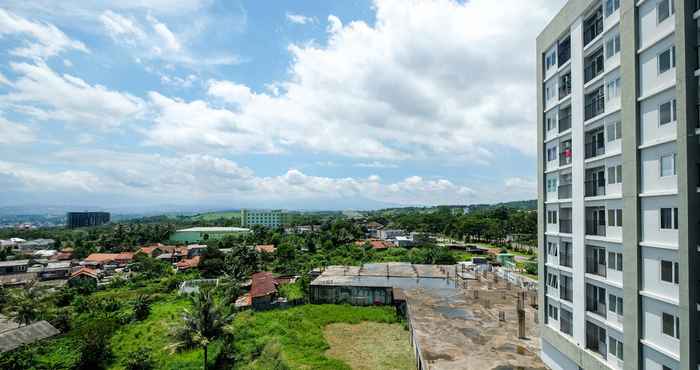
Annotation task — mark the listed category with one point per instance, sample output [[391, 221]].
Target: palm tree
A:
[[203, 323], [23, 308], [141, 307]]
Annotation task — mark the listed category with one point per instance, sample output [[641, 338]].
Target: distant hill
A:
[[211, 216], [518, 204]]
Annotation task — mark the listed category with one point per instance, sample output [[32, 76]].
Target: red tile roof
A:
[[375, 244], [267, 248], [188, 263], [85, 271], [263, 283]]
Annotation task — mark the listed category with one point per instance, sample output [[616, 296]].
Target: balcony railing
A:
[[593, 70], [594, 27], [594, 149], [564, 122], [594, 107], [593, 188], [593, 227], [565, 226], [565, 191]]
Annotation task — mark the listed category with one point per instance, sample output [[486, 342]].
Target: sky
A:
[[268, 104]]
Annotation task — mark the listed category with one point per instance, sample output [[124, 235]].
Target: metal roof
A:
[[14, 263], [214, 229], [14, 338]]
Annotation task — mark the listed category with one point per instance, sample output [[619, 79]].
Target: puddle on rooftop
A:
[[455, 313]]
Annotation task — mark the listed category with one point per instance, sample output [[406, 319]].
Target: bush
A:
[[141, 307], [62, 321], [94, 344], [139, 360]]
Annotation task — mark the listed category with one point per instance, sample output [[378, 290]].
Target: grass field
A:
[[294, 338], [217, 215], [370, 346]]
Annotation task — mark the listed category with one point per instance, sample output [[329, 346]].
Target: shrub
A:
[[139, 360], [141, 307]]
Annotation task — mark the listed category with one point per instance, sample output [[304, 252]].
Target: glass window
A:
[[668, 324], [666, 60], [667, 271], [611, 6], [666, 218], [668, 165], [619, 217], [666, 113]]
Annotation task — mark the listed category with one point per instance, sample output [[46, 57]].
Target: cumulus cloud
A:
[[429, 79], [46, 39], [204, 177], [45, 95], [375, 164], [522, 185], [299, 18]]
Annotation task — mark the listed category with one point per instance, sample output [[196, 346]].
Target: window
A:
[[551, 185], [566, 323], [613, 88], [669, 271], [615, 130], [615, 217], [667, 59], [667, 112], [612, 46], [550, 60], [671, 325], [551, 217], [669, 218], [611, 6], [552, 280], [664, 367], [615, 348], [615, 261], [550, 124], [664, 9], [615, 175], [668, 165], [615, 304], [565, 289], [552, 249], [551, 154], [553, 312]]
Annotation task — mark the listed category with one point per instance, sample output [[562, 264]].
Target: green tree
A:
[[140, 360], [203, 323], [141, 307]]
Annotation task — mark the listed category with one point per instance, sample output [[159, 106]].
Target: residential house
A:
[[84, 274], [100, 260], [268, 248], [188, 263], [13, 267], [55, 270], [263, 290]]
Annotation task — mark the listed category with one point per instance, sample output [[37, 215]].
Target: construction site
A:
[[458, 318]]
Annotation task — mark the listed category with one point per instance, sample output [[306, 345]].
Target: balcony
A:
[[565, 256], [565, 191], [593, 66], [564, 119], [565, 291], [564, 51], [594, 189], [564, 86], [594, 149], [565, 226], [595, 104], [594, 228], [565, 154], [593, 26], [595, 261], [596, 339]]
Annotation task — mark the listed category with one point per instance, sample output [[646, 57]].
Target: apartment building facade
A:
[[273, 219], [617, 84]]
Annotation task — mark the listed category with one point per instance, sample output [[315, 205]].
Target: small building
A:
[[403, 241], [55, 270], [44, 253], [188, 263], [36, 244], [13, 267], [203, 234], [375, 244], [386, 234], [84, 274], [263, 290], [17, 337], [86, 219], [100, 260]]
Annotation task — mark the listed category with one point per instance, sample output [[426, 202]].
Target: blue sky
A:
[[291, 104]]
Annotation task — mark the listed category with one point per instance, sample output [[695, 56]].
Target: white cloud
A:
[[181, 82], [208, 178], [46, 39], [15, 133], [152, 39], [522, 185], [4, 80], [430, 79], [42, 93], [299, 18], [375, 164], [67, 63]]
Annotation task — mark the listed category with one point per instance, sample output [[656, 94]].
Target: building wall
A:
[[358, 296]]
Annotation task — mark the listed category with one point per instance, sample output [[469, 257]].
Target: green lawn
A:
[[294, 338]]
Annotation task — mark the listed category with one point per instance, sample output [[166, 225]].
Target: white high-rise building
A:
[[618, 186]]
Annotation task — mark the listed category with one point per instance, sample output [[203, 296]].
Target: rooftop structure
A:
[[458, 319], [203, 234], [17, 337]]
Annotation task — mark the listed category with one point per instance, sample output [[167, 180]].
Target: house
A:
[[195, 250], [84, 274], [44, 253], [63, 255], [403, 241], [188, 263], [267, 248], [55, 270], [155, 250], [37, 244], [263, 290], [100, 260], [375, 244], [386, 234], [13, 267]]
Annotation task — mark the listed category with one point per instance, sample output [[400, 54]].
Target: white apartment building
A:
[[618, 185], [273, 219]]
